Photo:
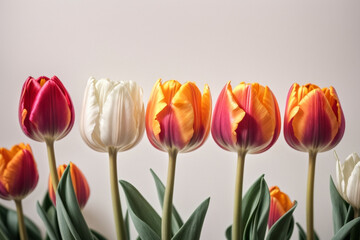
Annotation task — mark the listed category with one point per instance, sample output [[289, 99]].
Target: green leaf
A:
[[339, 207], [228, 233], [346, 229], [72, 224], [50, 228], [97, 235], [127, 226], [176, 221], [146, 221], [283, 227], [302, 234], [259, 202], [191, 230], [349, 215], [32, 230], [46, 203]]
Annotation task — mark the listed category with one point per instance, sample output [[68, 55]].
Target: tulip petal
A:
[[341, 183], [51, 114], [314, 109], [81, 186], [353, 187], [89, 127]]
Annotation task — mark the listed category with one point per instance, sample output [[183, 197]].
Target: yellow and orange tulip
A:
[[18, 172], [246, 118], [178, 116], [280, 203], [80, 184], [314, 120]]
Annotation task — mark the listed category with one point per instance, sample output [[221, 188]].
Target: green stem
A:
[[118, 216], [310, 196], [52, 163], [237, 231], [20, 215], [169, 190]]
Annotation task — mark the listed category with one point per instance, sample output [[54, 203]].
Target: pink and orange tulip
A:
[[314, 120], [178, 116], [46, 111], [80, 184], [18, 172], [280, 203], [246, 118]]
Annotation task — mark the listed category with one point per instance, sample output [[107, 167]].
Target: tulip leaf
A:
[[283, 227], [32, 230], [51, 231], [349, 215], [228, 233], [302, 234], [97, 236], [339, 207], [127, 225], [191, 230], [146, 220], [176, 219], [72, 224], [259, 200], [346, 229]]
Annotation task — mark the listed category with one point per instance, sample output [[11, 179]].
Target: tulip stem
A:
[[118, 216], [20, 216], [237, 231], [52, 163], [169, 190], [310, 196], [356, 213]]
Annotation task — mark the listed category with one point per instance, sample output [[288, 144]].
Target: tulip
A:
[[178, 116], [348, 181], [280, 203], [46, 113], [314, 122], [18, 178], [246, 120], [177, 120], [112, 120], [80, 184]]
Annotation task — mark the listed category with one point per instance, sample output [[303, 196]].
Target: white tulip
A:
[[348, 179], [113, 115]]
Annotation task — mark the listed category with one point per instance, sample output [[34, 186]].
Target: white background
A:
[[275, 43]]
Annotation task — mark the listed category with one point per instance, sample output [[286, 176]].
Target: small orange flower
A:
[[18, 172], [80, 184], [178, 116], [279, 205]]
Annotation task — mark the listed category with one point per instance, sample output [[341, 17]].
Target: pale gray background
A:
[[275, 43]]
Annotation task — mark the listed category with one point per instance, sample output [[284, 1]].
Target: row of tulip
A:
[[178, 119]]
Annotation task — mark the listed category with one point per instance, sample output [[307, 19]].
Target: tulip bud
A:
[[112, 115], [246, 118], [46, 111], [18, 172], [348, 180], [314, 120], [80, 184], [280, 203], [178, 116]]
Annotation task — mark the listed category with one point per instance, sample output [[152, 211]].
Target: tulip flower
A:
[[280, 203], [177, 120], [46, 113], [80, 184], [112, 120], [348, 181], [246, 119], [314, 122], [18, 178]]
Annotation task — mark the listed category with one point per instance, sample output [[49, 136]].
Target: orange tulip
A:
[[178, 116], [314, 120], [80, 184], [18, 172], [246, 118], [280, 203]]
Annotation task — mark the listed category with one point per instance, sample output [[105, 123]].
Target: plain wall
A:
[[275, 43]]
